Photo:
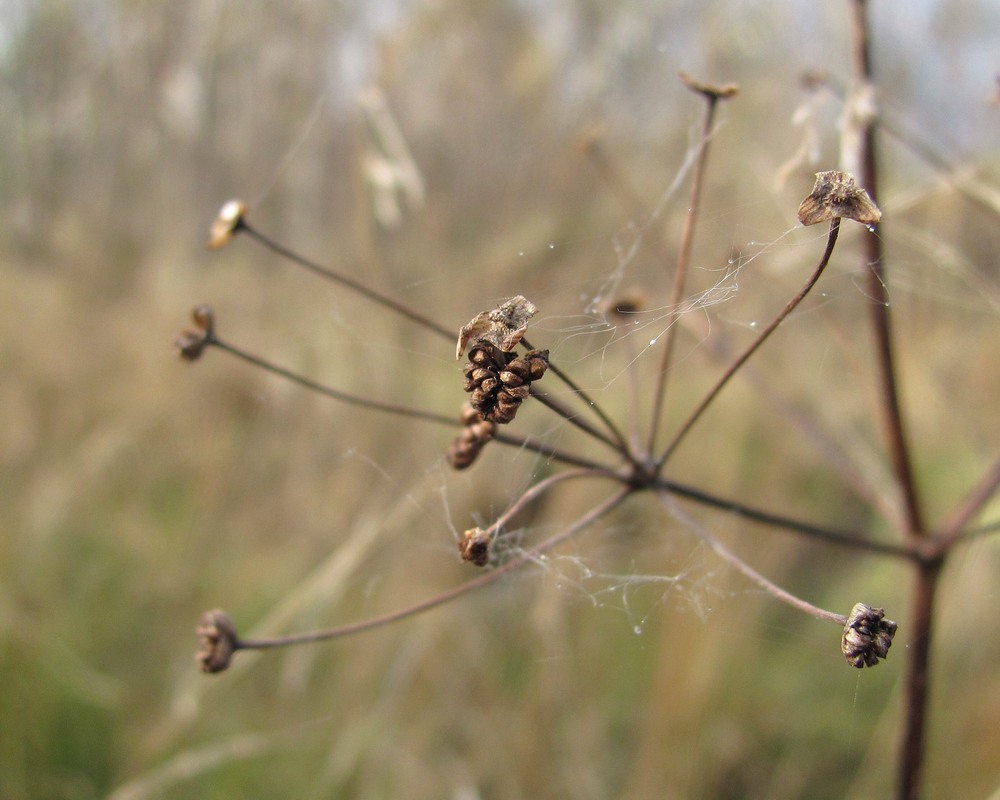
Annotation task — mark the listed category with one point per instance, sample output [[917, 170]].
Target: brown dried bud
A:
[[217, 641], [867, 636], [502, 327], [475, 547], [192, 343], [226, 224], [836, 194]]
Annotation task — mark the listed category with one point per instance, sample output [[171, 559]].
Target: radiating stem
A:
[[328, 391], [733, 560], [528, 557], [345, 280], [764, 334], [851, 539], [586, 398], [681, 269]]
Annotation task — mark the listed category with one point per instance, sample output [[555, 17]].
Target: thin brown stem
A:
[[588, 400], [953, 526], [681, 269], [764, 334], [843, 538], [537, 490], [327, 391], [731, 558], [352, 284], [404, 411], [546, 399], [528, 557]]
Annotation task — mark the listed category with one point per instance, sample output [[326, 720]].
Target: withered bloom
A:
[[217, 641], [867, 636], [475, 547], [502, 327], [226, 224], [192, 343], [837, 194]]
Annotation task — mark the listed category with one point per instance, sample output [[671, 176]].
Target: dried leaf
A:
[[502, 327], [836, 194]]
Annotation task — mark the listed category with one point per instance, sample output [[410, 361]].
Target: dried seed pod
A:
[[867, 636], [226, 224], [837, 194], [475, 547], [217, 641]]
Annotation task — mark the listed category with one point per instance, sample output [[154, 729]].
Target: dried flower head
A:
[[867, 636], [226, 224], [217, 641], [192, 343], [475, 547], [837, 194], [502, 327]]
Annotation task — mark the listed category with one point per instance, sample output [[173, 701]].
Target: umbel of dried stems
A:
[[498, 380]]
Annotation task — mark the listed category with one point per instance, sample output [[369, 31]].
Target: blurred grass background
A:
[[139, 491]]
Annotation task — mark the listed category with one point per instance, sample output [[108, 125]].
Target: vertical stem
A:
[[878, 289], [927, 571], [680, 274], [911, 757]]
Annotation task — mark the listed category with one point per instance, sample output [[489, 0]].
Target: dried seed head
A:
[[867, 636], [192, 343], [217, 641], [475, 547], [226, 224], [502, 327], [836, 194]]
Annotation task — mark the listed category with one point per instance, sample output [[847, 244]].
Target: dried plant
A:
[[504, 371]]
